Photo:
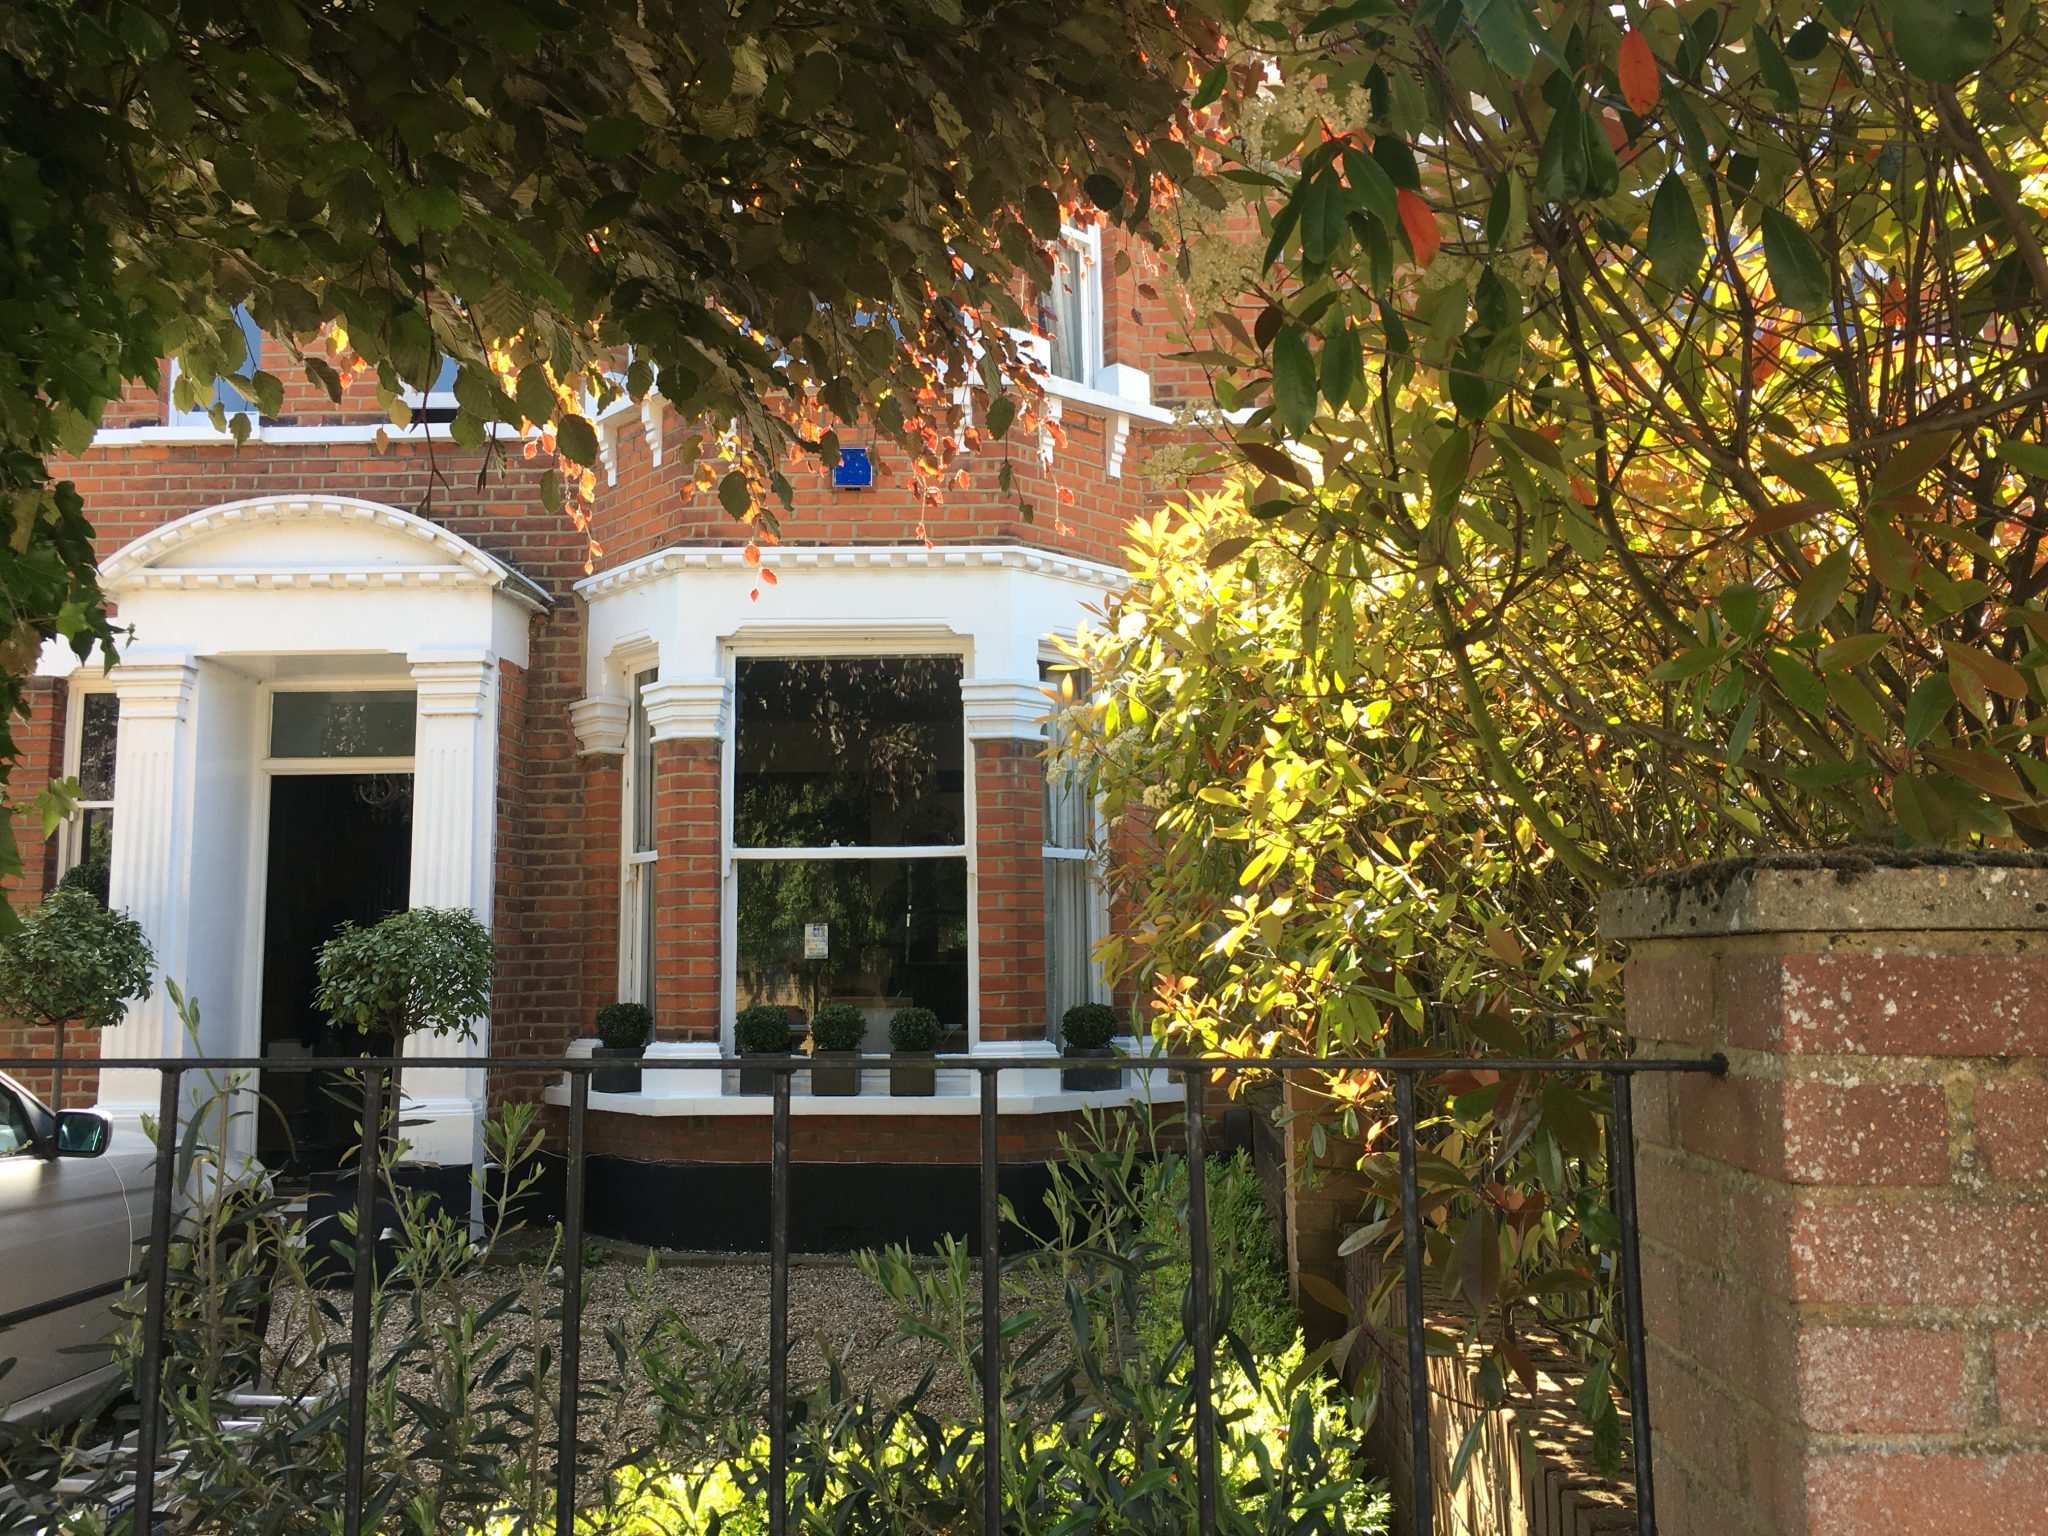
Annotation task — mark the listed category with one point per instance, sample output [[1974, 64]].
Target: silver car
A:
[[74, 1206]]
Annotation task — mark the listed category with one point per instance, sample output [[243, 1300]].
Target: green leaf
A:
[[1001, 412], [610, 137], [1807, 478], [1675, 246], [1850, 651], [1777, 74], [1561, 166], [1928, 707], [1801, 688], [1797, 272], [1211, 87], [1502, 27], [2027, 458], [1687, 664], [1371, 185], [734, 494], [1294, 382], [1323, 207], [1821, 589], [577, 439], [1343, 367], [1857, 702], [1104, 191], [536, 396], [1942, 40]]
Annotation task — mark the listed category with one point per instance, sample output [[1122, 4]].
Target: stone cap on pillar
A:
[[1004, 708], [600, 726], [688, 708], [1873, 890]]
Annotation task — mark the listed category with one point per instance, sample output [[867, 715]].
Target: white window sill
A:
[[202, 434], [958, 1094]]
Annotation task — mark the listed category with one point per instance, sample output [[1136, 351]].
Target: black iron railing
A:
[[1195, 1075]]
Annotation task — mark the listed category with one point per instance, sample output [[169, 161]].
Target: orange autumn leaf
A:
[[1419, 224], [1641, 81]]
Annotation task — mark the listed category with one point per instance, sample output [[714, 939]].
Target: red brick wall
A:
[[686, 987], [1845, 1241], [1009, 839], [603, 834]]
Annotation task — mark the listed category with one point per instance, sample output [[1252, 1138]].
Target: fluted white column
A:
[[155, 769], [454, 820]]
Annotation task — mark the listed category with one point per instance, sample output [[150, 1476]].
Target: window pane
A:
[[1068, 809], [1069, 936], [1063, 312], [643, 769], [99, 723], [881, 934], [845, 752], [342, 724]]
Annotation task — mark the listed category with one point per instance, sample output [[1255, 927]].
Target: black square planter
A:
[[759, 1081], [1090, 1079], [913, 1074], [835, 1074], [624, 1078]]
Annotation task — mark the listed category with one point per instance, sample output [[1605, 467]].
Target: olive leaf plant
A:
[[780, 217], [1713, 331]]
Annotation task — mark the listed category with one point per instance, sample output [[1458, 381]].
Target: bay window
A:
[[92, 731], [849, 836]]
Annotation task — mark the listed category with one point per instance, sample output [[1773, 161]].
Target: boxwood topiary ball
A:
[[839, 1027], [762, 1030], [1089, 1025], [621, 1026], [914, 1029]]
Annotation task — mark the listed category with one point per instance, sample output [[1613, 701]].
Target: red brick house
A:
[[362, 674]]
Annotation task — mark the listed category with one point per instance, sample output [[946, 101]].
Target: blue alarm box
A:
[[855, 471]]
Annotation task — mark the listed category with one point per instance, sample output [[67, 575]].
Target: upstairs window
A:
[[225, 395], [436, 403], [1070, 310]]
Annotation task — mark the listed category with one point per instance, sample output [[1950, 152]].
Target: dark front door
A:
[[340, 851]]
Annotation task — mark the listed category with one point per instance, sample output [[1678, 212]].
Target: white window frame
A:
[[875, 643], [1097, 889], [1087, 352], [421, 401], [637, 878], [199, 419], [71, 836]]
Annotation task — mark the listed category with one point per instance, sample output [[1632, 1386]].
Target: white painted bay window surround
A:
[[281, 633], [848, 698]]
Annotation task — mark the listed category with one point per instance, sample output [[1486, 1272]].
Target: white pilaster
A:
[[454, 810], [154, 767]]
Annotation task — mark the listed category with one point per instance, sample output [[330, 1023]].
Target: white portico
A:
[[277, 642]]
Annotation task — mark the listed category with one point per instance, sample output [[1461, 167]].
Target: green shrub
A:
[[762, 1030], [839, 1027], [425, 970], [1242, 1245], [1089, 1025], [73, 961], [621, 1026], [914, 1029]]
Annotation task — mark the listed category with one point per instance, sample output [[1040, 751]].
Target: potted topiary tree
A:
[[623, 1030], [913, 1038], [73, 961], [425, 970], [762, 1030], [838, 1030], [1087, 1029]]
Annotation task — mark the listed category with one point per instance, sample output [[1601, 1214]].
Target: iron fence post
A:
[[156, 1293], [572, 1308], [1202, 1366], [778, 1310], [1621, 1155], [991, 1311], [359, 1313], [1418, 1352]]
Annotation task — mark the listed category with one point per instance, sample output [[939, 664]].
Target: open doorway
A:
[[340, 850]]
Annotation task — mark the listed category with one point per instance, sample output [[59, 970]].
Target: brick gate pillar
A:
[[1845, 1241], [1007, 742]]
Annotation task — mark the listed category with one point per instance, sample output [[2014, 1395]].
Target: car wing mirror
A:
[[82, 1133]]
